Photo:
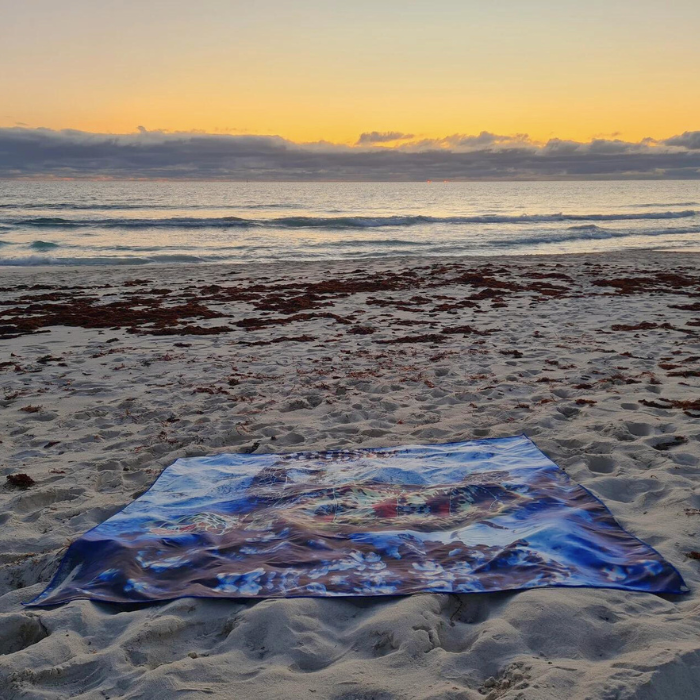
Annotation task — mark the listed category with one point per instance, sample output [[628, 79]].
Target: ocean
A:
[[135, 222]]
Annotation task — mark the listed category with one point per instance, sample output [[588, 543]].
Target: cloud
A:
[[599, 147], [486, 139], [372, 137], [466, 142], [562, 147], [688, 139], [31, 153]]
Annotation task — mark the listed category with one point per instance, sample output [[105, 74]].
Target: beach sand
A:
[[110, 374]]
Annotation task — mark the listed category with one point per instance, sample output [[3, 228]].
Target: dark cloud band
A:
[[47, 153]]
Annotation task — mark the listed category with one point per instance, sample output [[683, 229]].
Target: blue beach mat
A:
[[466, 517]]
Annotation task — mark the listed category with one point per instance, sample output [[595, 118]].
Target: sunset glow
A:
[[313, 70]]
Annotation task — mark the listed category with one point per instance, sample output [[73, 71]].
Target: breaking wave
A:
[[340, 222]]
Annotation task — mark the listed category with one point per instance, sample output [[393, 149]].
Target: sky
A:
[[380, 74]]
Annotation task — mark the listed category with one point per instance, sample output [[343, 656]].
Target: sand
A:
[[99, 399]]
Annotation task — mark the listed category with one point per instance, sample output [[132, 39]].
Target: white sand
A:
[[113, 414]]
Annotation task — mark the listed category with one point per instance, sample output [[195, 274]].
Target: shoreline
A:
[[113, 372], [399, 259], [370, 260]]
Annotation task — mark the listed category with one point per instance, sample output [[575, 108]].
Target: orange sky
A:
[[314, 69]]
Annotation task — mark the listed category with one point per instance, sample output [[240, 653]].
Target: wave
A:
[[374, 242], [351, 247], [183, 258], [341, 222], [69, 206], [585, 234], [46, 221], [43, 245], [36, 260], [137, 206]]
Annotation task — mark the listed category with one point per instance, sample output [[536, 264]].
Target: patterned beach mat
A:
[[466, 517]]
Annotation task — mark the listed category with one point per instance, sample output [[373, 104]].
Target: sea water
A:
[[136, 222]]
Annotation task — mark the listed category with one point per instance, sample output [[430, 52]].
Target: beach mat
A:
[[466, 517]]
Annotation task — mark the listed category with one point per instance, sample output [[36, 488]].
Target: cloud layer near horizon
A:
[[33, 153]]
